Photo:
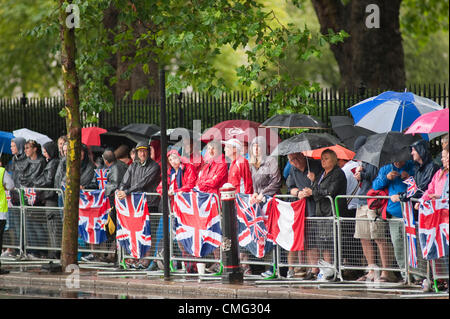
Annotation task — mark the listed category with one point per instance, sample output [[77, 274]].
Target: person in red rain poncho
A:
[[239, 174], [181, 176], [212, 176], [214, 172]]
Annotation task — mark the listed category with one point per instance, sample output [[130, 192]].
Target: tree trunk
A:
[[69, 249], [137, 78], [372, 57]]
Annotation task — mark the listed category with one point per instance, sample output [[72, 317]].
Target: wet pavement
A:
[[96, 282]]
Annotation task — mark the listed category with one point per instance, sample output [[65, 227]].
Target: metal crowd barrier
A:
[[348, 224], [312, 241], [179, 258]]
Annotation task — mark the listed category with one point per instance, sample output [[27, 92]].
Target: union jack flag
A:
[[30, 194], [92, 216], [133, 224], [411, 186], [252, 231], [197, 222], [101, 175], [433, 228], [410, 229]]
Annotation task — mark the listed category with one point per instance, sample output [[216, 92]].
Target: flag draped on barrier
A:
[[410, 229], [133, 224], [197, 222], [433, 228], [287, 223], [101, 176], [252, 231], [92, 216]]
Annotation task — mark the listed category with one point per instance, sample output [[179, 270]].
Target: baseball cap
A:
[[142, 145], [233, 142]]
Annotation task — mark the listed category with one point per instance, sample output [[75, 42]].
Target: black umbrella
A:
[[294, 121], [177, 134], [305, 142], [143, 129], [346, 130], [115, 139], [385, 148]]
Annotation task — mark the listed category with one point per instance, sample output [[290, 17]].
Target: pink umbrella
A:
[[432, 122]]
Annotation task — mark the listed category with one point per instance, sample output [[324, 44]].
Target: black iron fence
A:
[[42, 114]]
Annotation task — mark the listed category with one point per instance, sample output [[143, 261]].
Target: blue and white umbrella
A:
[[391, 111], [5, 142]]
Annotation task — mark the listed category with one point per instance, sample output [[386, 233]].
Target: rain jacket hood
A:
[[423, 150], [52, 149], [20, 144]]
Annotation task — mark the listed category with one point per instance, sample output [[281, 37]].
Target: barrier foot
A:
[[220, 270], [123, 264], [274, 273], [171, 266]]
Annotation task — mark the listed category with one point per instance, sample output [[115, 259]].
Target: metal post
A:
[[164, 197], [232, 273]]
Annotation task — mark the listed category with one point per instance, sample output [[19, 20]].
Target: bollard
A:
[[232, 273]]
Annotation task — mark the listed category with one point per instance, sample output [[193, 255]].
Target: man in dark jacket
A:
[[143, 175], [297, 180], [116, 171]]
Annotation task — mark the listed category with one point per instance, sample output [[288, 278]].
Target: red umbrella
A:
[[91, 135], [341, 152], [243, 130]]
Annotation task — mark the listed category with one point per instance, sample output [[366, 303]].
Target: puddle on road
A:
[[26, 292]]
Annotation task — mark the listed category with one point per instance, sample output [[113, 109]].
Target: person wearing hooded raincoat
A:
[[50, 198]]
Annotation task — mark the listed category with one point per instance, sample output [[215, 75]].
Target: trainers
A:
[[89, 257], [214, 268], [290, 273], [7, 254], [32, 257], [267, 273]]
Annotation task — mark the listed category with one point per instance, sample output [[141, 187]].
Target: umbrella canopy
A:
[[341, 152], [391, 111], [434, 123], [91, 135], [5, 142], [294, 120], [32, 135], [243, 130], [346, 130], [177, 134], [115, 139], [143, 129], [385, 148], [305, 142]]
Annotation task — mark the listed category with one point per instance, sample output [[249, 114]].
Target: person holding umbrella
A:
[[331, 182], [298, 180], [392, 176], [367, 231]]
